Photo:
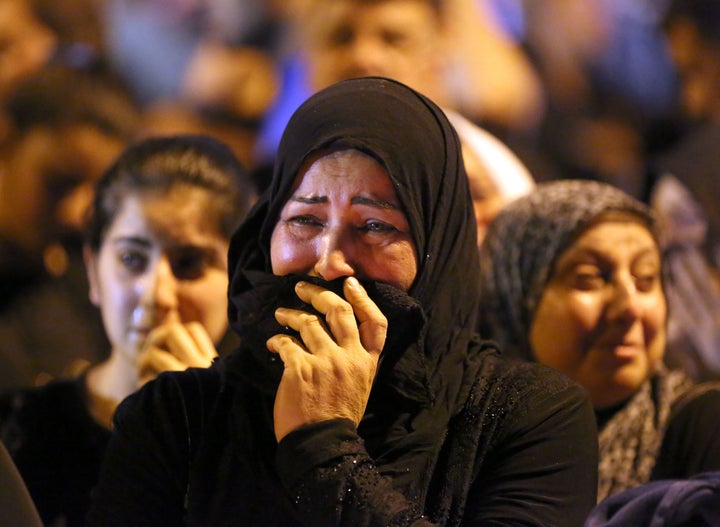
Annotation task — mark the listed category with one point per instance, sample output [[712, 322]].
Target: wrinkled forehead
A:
[[381, 118], [617, 217]]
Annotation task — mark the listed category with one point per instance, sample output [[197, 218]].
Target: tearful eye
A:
[[302, 221], [378, 227]]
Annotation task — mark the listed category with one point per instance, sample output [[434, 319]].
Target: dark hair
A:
[[59, 96], [159, 163]]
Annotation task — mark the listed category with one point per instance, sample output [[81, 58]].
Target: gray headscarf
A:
[[524, 242], [516, 262]]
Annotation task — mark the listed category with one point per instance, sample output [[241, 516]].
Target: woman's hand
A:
[[329, 374], [175, 347]]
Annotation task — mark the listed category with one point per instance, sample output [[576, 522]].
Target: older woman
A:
[[376, 403], [572, 278]]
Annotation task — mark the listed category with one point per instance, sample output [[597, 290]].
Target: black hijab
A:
[[411, 137]]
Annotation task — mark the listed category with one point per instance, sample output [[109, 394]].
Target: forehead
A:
[[349, 168], [181, 213], [379, 13], [615, 237]]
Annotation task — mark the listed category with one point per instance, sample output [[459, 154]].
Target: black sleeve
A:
[[324, 465], [145, 470], [542, 471], [691, 444]]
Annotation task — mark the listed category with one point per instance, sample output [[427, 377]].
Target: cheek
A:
[[408, 267], [561, 328], [288, 256], [205, 301], [654, 322], [395, 265], [116, 302]]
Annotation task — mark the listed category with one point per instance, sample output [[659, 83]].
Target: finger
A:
[[154, 361], [157, 337], [290, 351], [177, 340], [339, 314], [203, 341], [313, 332], [373, 324]]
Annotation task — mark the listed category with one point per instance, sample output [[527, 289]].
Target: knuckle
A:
[[309, 320], [382, 322], [341, 310]]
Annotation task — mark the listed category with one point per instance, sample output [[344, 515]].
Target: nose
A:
[[367, 56], [624, 303], [335, 256], [157, 290]]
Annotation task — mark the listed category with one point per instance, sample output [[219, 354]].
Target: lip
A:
[[624, 350]]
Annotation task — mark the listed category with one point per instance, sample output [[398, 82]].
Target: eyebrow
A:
[[206, 248], [134, 240], [357, 200], [579, 253]]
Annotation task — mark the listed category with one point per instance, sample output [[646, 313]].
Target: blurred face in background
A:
[[697, 61], [163, 260], [47, 177], [25, 44], [486, 197], [601, 319], [399, 39]]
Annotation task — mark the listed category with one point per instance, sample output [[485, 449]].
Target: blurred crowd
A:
[[605, 90]]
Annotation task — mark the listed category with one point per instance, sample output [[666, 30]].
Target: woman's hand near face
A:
[[329, 374], [175, 347]]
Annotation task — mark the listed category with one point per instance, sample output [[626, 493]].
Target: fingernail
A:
[[351, 281]]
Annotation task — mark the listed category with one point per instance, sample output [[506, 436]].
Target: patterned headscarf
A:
[[524, 242], [517, 260]]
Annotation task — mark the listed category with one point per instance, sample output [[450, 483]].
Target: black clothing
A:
[[198, 448], [16, 506], [691, 444], [51, 331], [57, 447], [451, 433]]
